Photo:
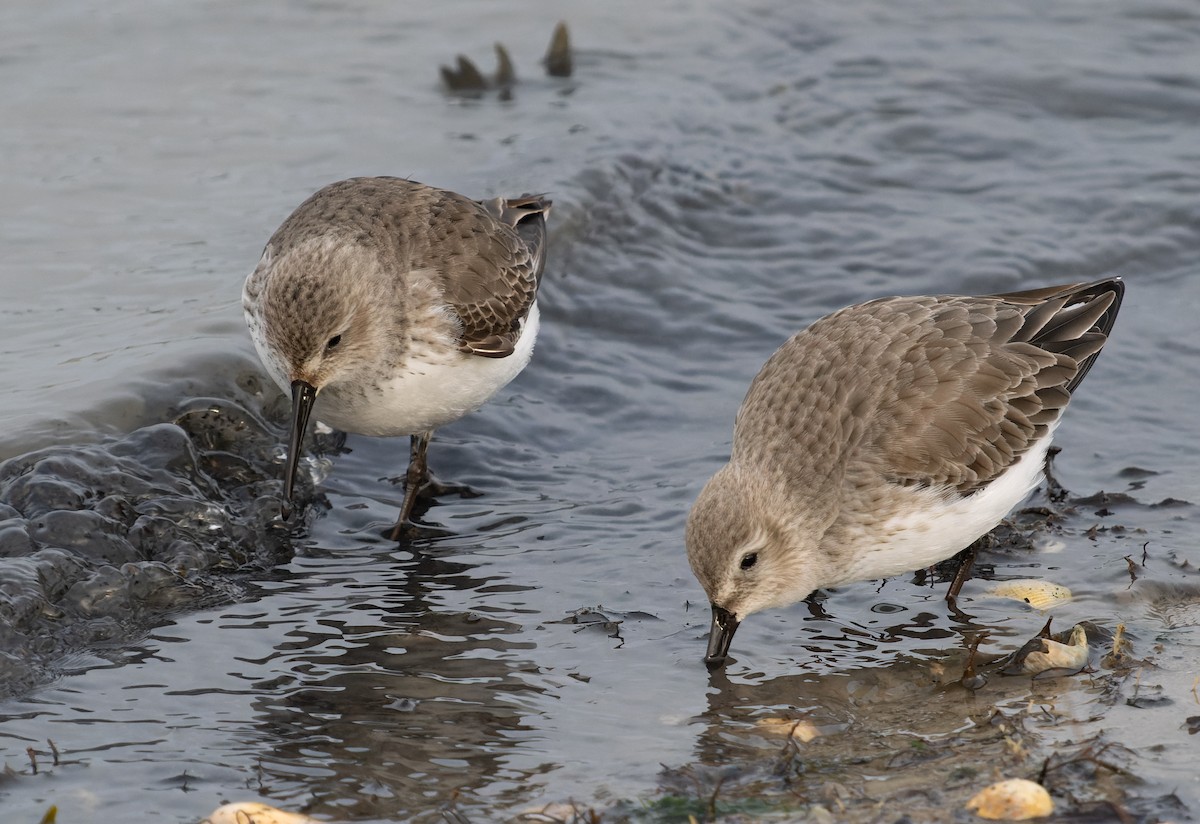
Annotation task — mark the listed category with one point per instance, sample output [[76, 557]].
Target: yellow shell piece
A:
[[1120, 655], [254, 812], [1037, 593], [802, 730], [1013, 800]]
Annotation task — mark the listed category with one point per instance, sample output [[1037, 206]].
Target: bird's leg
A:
[[1054, 490], [971, 679], [414, 479], [420, 484], [963, 573]]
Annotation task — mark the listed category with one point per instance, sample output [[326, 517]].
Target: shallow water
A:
[[721, 177]]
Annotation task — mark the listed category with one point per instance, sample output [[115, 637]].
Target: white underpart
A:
[[942, 523], [437, 385], [271, 360]]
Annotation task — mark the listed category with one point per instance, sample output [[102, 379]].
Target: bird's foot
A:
[[410, 525], [410, 530], [433, 488]]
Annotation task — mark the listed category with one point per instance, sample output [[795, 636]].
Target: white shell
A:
[[255, 812], [1037, 593], [1072, 655]]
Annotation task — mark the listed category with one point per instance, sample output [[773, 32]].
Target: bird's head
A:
[[309, 309], [747, 552]]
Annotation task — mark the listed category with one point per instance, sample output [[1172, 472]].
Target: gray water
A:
[[722, 175]]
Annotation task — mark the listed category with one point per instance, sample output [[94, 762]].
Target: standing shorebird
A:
[[887, 437], [399, 306]]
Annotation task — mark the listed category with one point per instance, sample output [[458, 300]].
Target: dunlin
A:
[[887, 437], [396, 308]]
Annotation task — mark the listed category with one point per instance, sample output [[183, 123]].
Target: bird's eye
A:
[[749, 560], [333, 342]]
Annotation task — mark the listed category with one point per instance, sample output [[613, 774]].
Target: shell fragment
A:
[[1016, 799]]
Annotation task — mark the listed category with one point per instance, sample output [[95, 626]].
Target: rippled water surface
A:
[[723, 174]]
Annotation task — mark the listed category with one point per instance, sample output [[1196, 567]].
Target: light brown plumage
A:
[[486, 258], [928, 391], [883, 413], [402, 306]]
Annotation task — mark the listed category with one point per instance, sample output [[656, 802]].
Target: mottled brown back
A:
[[488, 257], [942, 391]]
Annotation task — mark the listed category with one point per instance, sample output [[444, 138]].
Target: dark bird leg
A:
[[1054, 490], [414, 479], [971, 679], [420, 485], [963, 573]]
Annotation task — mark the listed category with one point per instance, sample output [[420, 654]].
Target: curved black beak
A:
[[304, 395], [724, 625]]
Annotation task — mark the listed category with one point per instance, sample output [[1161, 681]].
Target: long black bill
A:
[[303, 398], [724, 625]]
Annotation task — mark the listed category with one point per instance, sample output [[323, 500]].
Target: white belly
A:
[[943, 524], [431, 390]]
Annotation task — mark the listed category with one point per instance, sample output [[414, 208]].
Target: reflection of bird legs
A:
[[813, 602]]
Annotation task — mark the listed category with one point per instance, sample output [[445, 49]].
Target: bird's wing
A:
[[982, 379], [492, 278]]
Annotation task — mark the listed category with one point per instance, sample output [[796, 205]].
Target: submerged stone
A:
[[98, 540]]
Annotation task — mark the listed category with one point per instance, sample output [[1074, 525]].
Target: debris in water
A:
[[559, 812], [1037, 593], [1043, 653], [558, 60], [506, 75], [466, 78], [1119, 656], [801, 730]]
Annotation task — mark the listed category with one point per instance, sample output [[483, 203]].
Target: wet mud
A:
[[99, 543]]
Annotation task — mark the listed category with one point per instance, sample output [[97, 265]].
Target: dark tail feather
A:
[[1072, 320], [527, 214], [1111, 291]]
